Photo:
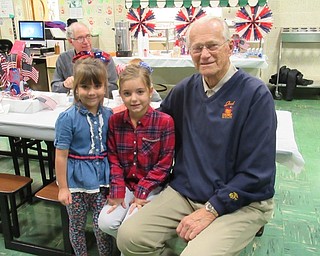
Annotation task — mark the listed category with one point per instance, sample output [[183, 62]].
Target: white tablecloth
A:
[[40, 125], [185, 61], [287, 149]]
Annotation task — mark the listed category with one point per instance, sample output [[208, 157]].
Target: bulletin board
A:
[[6, 8]]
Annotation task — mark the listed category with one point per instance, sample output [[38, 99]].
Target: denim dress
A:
[[85, 135]]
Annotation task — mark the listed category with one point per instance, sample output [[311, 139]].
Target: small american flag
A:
[[2, 58], [5, 67], [34, 75], [30, 72], [26, 58], [3, 70], [12, 61], [11, 64], [4, 79]]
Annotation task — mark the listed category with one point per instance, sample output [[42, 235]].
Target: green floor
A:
[[294, 230]]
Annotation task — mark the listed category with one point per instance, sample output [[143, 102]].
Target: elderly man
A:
[[222, 184], [79, 37]]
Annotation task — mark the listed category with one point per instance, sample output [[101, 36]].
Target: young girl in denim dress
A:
[[82, 167]]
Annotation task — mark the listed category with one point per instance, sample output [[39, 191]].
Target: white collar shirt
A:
[[211, 91]]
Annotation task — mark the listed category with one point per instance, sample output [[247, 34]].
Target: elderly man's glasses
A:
[[81, 39], [211, 47]]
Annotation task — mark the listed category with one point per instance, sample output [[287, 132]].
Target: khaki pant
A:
[[147, 232]]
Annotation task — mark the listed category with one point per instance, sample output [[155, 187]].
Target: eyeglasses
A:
[[211, 47], [81, 39]]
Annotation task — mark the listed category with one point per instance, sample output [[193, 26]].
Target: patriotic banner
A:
[[194, 3]]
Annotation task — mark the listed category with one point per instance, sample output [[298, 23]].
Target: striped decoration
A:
[[194, 3]]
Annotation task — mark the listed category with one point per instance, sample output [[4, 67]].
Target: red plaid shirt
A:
[[140, 158]]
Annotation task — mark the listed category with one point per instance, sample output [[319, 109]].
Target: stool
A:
[[47, 193], [50, 193], [10, 184]]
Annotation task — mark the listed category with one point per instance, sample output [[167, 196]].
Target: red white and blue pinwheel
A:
[[141, 20], [186, 16], [253, 23]]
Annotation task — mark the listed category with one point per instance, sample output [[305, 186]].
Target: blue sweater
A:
[[225, 144]]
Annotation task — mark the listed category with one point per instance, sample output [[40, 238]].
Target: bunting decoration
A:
[[141, 20], [17, 67], [188, 3], [186, 16], [253, 23]]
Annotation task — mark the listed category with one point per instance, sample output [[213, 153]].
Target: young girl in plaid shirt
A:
[[141, 144]]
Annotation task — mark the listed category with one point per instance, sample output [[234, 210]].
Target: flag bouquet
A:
[[16, 69]]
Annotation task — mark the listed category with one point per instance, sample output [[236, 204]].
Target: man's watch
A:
[[210, 208]]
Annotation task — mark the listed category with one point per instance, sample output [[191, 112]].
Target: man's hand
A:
[[191, 225], [68, 83]]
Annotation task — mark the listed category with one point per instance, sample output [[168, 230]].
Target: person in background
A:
[[70, 21], [136, 61], [82, 167], [79, 37], [223, 179], [141, 146]]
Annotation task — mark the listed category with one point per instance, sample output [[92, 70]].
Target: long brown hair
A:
[[88, 71]]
